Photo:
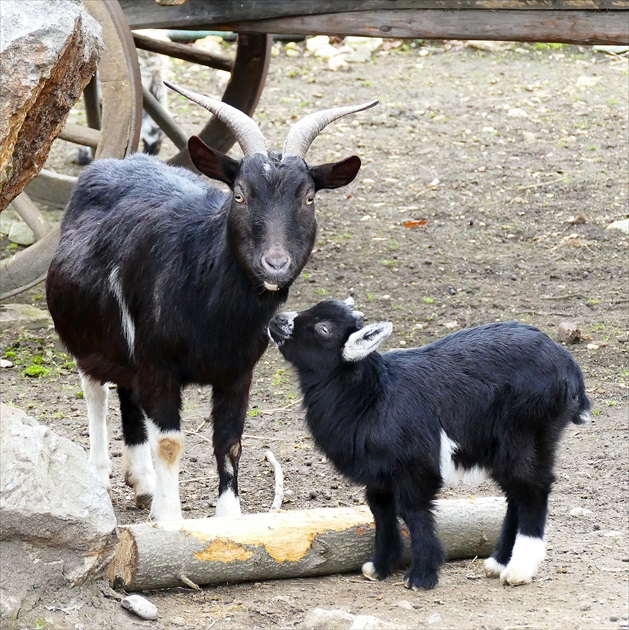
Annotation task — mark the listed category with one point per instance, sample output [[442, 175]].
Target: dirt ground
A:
[[487, 185]]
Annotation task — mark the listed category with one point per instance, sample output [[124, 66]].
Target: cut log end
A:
[[124, 565]]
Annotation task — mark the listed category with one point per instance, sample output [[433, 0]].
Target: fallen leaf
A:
[[415, 224]]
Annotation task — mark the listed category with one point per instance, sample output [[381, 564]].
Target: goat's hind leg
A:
[[388, 546], [497, 562], [96, 395], [529, 548], [139, 473]]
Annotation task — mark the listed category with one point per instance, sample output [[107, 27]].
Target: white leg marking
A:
[[369, 571], [493, 568], [139, 472], [166, 448], [128, 327], [451, 473], [528, 553], [585, 417], [96, 399], [228, 504]]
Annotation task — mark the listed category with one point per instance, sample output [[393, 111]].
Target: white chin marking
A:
[[369, 571], [528, 553], [493, 568], [271, 287], [228, 504]]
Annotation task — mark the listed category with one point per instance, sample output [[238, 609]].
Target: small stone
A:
[[577, 219], [622, 225], [568, 332], [23, 316], [314, 43], [517, 112], [434, 618], [404, 603], [580, 511], [337, 62], [21, 234], [5, 363], [140, 606], [290, 52]]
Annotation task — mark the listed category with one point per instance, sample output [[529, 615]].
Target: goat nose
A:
[[275, 262]]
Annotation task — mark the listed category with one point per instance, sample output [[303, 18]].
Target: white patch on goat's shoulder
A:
[[96, 396], [228, 504], [128, 327], [528, 553], [451, 473]]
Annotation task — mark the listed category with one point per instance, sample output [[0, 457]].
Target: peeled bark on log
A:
[[284, 544]]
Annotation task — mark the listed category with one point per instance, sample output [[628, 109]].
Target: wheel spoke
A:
[[164, 120], [80, 135]]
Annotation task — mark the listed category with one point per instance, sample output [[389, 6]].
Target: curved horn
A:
[[245, 130], [304, 131]]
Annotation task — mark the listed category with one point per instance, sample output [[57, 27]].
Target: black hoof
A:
[[144, 501]]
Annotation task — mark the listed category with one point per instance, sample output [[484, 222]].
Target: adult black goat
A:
[[161, 280], [492, 399]]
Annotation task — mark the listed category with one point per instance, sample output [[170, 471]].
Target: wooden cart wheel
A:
[[113, 128], [248, 74]]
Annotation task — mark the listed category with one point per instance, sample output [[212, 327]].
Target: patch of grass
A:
[[549, 46], [429, 300], [321, 291], [280, 377], [36, 371], [253, 412], [371, 297]]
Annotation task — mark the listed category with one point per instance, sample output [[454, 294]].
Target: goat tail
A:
[[582, 416]]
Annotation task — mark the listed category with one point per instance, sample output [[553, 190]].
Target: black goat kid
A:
[[492, 399], [161, 280]]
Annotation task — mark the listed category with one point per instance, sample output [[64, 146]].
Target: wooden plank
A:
[[50, 188], [181, 51], [209, 13], [568, 27]]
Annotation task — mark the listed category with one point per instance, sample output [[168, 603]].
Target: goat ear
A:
[[212, 163], [336, 174], [366, 340]]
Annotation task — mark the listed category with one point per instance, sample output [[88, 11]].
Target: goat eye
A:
[[238, 198], [323, 330], [309, 201]]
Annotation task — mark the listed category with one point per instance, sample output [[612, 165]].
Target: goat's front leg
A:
[[161, 402], [427, 554], [228, 413], [388, 542]]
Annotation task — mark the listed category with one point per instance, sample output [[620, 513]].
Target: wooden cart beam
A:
[[568, 21], [289, 544], [568, 27], [181, 51]]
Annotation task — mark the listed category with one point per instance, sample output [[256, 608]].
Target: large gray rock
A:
[[57, 519], [48, 53]]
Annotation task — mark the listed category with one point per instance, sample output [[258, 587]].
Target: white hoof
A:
[[493, 568], [515, 576], [369, 571], [228, 505]]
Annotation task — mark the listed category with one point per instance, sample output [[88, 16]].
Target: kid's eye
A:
[[238, 198], [323, 329], [309, 201]]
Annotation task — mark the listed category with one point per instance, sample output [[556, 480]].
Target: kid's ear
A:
[[336, 174], [366, 340], [213, 163]]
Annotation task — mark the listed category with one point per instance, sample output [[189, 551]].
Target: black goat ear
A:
[[336, 174], [212, 163]]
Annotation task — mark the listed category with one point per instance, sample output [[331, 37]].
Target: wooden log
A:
[[283, 544]]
